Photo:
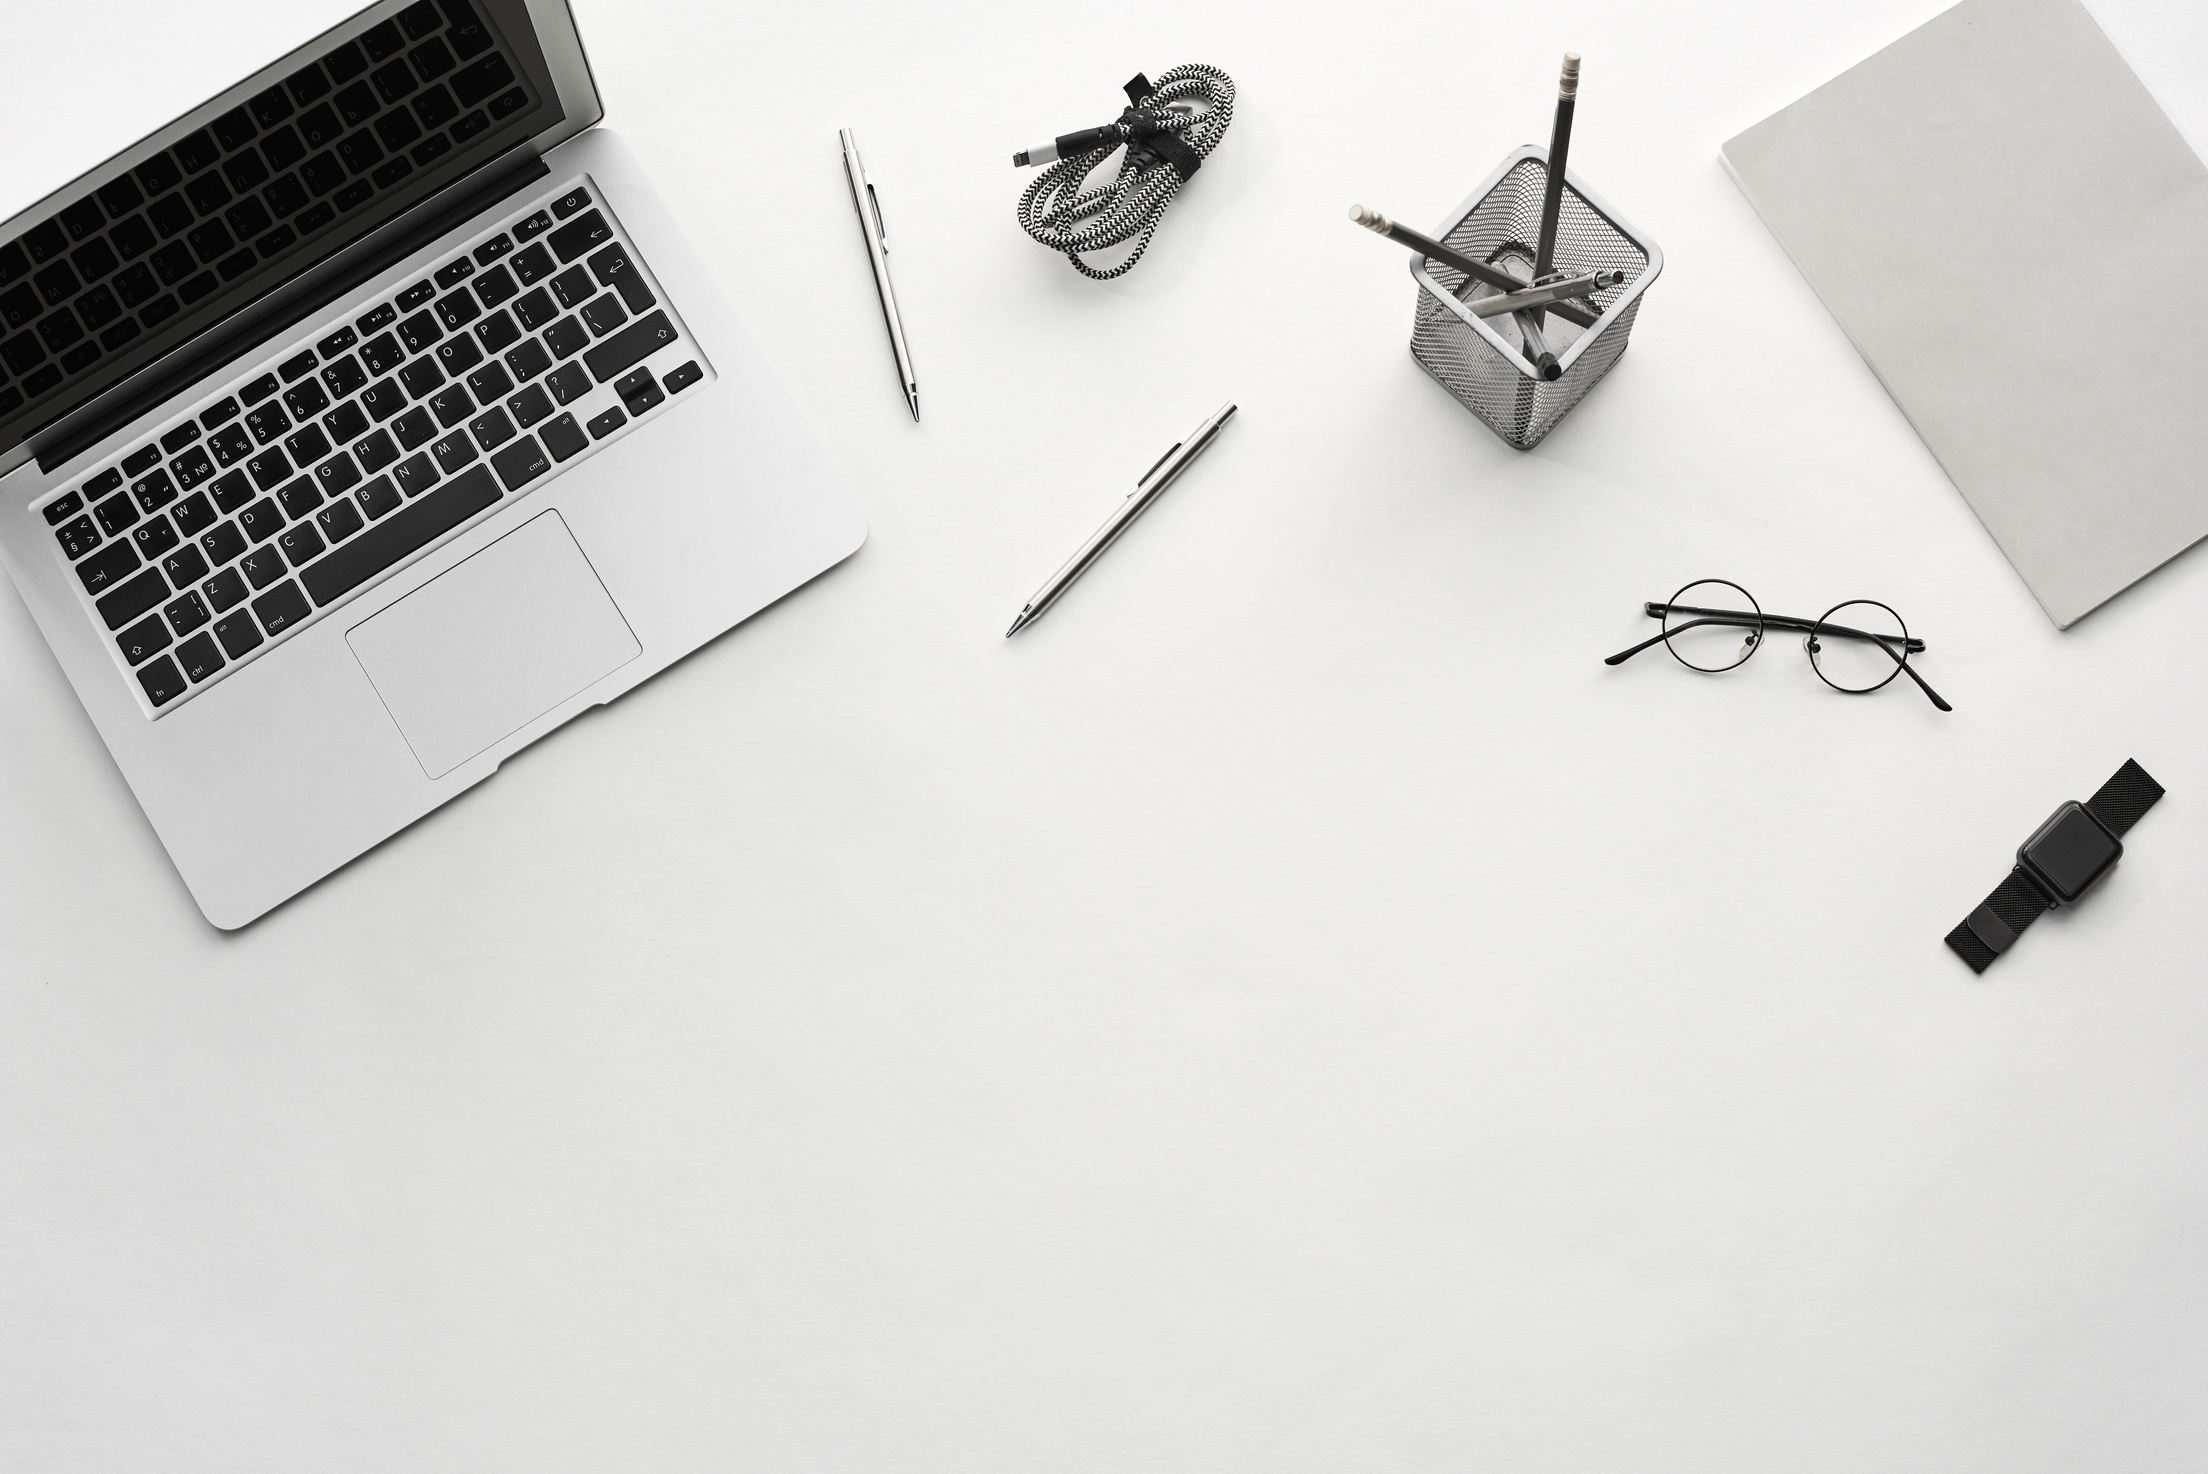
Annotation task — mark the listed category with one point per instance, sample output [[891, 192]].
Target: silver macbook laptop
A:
[[367, 423]]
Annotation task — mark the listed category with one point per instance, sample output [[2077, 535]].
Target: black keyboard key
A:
[[492, 249], [194, 515], [614, 269], [187, 565], [567, 204], [78, 538], [339, 520], [383, 400], [336, 343], [299, 498], [436, 146], [297, 367], [528, 360], [61, 509], [108, 566], [533, 265], [382, 353], [419, 331], [536, 308], [564, 438], [142, 460], [199, 657], [346, 422], [337, 475], [377, 318], [533, 227], [568, 383], [186, 614], [394, 538], [453, 452], [281, 607], [603, 425], [262, 521], [491, 429], [452, 406], [308, 446], [301, 545], [224, 590], [221, 412], [682, 378], [490, 382], [497, 331], [231, 492], [154, 538], [457, 355], [379, 498], [415, 428], [453, 271], [126, 602], [258, 390], [269, 468], [121, 197], [100, 485], [143, 640], [496, 285], [267, 422], [176, 439], [422, 376], [480, 79], [223, 544], [457, 309], [192, 467], [639, 391], [630, 347], [239, 635], [376, 452], [161, 682], [567, 337], [263, 566], [415, 295], [345, 375], [230, 444], [521, 462], [604, 315], [530, 405], [417, 474], [574, 287], [305, 400]]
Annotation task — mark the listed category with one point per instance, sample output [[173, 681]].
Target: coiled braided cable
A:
[[1167, 132]]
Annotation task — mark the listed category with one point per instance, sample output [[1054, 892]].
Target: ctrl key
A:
[[162, 681], [200, 657]]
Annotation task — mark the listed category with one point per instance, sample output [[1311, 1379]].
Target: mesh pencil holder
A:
[[1478, 359]]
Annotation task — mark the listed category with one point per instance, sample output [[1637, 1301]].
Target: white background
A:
[[1294, 1009]]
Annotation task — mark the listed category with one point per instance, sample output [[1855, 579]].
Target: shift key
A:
[[630, 347]]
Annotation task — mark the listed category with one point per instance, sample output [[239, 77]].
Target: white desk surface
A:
[[1293, 1010]]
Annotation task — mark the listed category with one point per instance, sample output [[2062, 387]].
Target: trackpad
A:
[[478, 653]]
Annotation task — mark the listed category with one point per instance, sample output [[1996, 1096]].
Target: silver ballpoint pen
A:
[[1147, 490], [869, 206]]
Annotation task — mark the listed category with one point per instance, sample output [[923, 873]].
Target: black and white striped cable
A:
[[1168, 130]]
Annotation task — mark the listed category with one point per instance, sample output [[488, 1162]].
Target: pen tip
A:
[[912, 397]]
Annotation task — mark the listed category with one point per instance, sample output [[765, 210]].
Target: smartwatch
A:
[[2062, 860]]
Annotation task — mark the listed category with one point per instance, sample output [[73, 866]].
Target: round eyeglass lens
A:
[[1858, 646], [1713, 625]]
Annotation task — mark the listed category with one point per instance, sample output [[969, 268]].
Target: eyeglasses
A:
[[1855, 647]]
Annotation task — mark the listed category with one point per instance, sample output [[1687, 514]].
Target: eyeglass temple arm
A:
[[1744, 621]]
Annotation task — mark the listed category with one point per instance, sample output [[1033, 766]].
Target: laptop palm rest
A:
[[479, 652]]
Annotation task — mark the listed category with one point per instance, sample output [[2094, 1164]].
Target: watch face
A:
[[2070, 852]]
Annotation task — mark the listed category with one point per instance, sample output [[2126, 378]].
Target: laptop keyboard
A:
[[227, 204], [329, 463]]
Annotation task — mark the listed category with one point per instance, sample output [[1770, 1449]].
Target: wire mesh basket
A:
[[1479, 359]]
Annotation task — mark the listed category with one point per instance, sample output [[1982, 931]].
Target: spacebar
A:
[[436, 514]]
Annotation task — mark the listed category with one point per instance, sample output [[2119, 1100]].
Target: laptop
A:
[[369, 422]]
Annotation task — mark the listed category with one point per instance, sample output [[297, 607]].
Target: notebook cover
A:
[[1935, 196]]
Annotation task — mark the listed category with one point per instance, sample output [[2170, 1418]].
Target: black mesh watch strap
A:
[[1993, 928], [2123, 798], [2017, 902]]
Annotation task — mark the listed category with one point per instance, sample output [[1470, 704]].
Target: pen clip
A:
[[881, 224], [1144, 479]]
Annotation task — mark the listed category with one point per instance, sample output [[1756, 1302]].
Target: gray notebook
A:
[[1930, 195]]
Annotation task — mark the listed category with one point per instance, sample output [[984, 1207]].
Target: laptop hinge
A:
[[469, 197]]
